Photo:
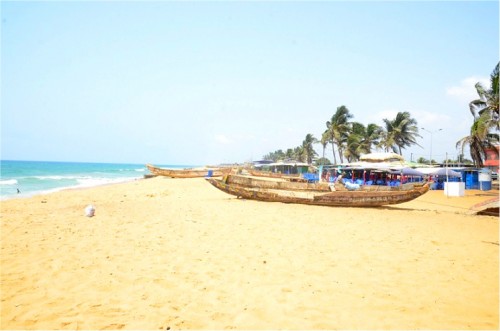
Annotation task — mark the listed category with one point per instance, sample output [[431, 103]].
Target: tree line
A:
[[350, 139]]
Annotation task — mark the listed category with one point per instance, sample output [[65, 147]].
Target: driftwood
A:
[[187, 173], [359, 198]]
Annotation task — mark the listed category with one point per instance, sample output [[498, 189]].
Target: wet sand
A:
[[177, 253]]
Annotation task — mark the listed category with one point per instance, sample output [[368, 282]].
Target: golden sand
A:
[[177, 253]]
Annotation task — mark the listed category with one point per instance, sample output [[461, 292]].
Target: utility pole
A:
[[431, 132]]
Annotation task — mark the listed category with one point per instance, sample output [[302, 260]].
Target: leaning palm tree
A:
[[361, 139], [400, 132], [307, 146], [329, 134], [325, 137], [486, 120], [480, 139], [370, 136], [338, 128], [355, 142], [475, 142], [298, 154], [387, 140], [488, 101]]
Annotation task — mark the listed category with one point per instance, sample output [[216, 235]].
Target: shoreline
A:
[[179, 253], [67, 188], [452, 202]]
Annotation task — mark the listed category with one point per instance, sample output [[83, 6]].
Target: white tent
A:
[[440, 172]]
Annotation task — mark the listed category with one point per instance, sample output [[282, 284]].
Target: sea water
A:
[[28, 178]]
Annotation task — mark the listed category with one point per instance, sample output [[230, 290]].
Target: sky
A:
[[198, 82]]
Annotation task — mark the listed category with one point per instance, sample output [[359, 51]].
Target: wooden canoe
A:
[[359, 198], [260, 173], [274, 183], [187, 173]]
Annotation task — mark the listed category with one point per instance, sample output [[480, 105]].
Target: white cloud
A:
[[222, 139], [466, 91], [431, 120]]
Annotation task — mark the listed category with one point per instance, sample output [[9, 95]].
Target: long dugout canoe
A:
[[360, 198], [187, 173]]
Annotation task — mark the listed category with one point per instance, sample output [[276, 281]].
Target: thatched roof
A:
[[381, 157]]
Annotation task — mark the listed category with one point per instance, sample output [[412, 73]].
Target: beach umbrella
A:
[[446, 172]]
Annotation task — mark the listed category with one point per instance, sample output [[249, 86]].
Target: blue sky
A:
[[211, 82]]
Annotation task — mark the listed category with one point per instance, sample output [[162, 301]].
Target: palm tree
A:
[[324, 141], [354, 146], [298, 154], [307, 146], [361, 139], [338, 128], [479, 139], [274, 156], [488, 101], [486, 119], [423, 160], [387, 140], [330, 139], [399, 133], [371, 137]]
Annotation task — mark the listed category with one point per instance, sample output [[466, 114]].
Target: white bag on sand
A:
[[89, 211]]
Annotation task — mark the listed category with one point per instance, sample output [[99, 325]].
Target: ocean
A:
[[38, 177]]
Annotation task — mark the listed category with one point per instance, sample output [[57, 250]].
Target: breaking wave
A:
[[8, 182]]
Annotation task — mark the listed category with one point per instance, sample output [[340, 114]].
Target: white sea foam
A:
[[8, 182], [83, 182], [90, 182], [34, 178], [55, 177]]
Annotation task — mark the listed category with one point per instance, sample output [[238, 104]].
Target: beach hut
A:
[[375, 168], [471, 178], [285, 167]]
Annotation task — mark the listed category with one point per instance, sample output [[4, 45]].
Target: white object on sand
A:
[[89, 211]]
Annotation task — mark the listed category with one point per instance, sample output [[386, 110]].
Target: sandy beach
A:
[[174, 254]]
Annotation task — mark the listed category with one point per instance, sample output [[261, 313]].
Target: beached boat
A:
[[275, 183], [187, 173], [269, 174], [341, 198]]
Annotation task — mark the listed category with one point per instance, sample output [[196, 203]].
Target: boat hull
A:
[[275, 183], [359, 198], [187, 173], [259, 173]]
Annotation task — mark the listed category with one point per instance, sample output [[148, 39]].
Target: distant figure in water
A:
[[18, 191]]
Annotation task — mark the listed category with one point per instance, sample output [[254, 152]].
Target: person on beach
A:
[[18, 191], [339, 178]]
